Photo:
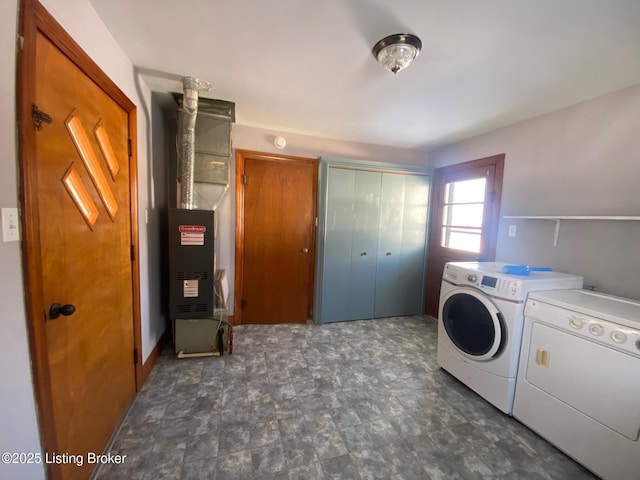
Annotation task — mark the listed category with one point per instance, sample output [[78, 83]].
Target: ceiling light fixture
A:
[[397, 51]]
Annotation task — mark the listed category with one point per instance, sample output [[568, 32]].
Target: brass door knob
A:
[[305, 250]]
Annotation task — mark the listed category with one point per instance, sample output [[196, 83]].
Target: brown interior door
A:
[[84, 223], [277, 238], [464, 219]]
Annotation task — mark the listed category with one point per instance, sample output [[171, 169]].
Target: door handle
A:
[[388, 254], [305, 250], [363, 254], [55, 310], [543, 357]]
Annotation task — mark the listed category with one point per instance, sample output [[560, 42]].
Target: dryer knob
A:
[[576, 322], [596, 329], [472, 277], [618, 336]]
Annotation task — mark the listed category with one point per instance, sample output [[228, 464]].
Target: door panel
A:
[[85, 241], [403, 222], [414, 240], [279, 219], [456, 216], [362, 281], [351, 244], [338, 247], [389, 272]]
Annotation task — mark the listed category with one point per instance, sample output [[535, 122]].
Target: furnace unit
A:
[[191, 263], [203, 147]]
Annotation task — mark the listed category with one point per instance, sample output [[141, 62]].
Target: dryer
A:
[[579, 378], [480, 322]]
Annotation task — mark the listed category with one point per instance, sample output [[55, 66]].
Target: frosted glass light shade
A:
[[396, 52]]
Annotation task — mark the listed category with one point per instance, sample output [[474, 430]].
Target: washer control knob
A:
[[618, 336], [576, 323], [472, 277], [596, 329]]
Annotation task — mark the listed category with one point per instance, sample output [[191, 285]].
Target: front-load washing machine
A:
[[480, 324]]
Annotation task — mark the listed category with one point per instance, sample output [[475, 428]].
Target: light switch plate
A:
[[10, 225], [513, 229]]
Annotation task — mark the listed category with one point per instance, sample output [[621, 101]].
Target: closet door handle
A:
[[363, 254], [388, 254]]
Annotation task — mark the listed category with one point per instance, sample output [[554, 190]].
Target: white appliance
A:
[[579, 378], [480, 324]]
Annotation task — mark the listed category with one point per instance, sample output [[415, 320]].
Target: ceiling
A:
[[305, 66]]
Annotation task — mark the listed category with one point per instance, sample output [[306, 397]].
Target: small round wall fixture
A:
[[397, 51], [280, 143]]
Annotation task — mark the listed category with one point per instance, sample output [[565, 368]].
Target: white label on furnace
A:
[[190, 288]]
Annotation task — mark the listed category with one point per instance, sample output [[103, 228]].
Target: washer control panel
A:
[[489, 278], [501, 287]]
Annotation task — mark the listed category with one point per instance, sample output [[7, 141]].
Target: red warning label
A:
[[192, 228]]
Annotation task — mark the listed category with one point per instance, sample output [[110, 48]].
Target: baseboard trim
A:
[[151, 360]]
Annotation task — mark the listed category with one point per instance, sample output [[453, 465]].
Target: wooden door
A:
[[404, 204], [78, 209], [275, 238], [465, 216]]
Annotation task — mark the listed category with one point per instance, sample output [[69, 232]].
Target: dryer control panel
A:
[[598, 330]]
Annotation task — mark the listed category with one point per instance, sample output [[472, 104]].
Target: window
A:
[[463, 210]]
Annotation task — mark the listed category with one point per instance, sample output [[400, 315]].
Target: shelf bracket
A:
[[556, 234]]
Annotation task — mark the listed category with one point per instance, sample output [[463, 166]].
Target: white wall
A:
[[581, 160], [19, 432], [261, 140]]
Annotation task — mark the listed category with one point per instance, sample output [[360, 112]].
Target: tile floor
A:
[[354, 400]]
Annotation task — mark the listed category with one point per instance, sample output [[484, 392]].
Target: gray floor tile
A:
[[340, 468], [312, 471], [264, 433], [269, 459], [234, 466], [299, 452], [351, 400]]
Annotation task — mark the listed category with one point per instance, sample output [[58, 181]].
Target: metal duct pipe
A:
[[187, 132]]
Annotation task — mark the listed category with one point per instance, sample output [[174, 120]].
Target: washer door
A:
[[473, 323]]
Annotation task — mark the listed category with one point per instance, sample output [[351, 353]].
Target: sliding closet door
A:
[[401, 245]]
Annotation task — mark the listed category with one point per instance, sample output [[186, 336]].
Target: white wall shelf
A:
[[558, 219]]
